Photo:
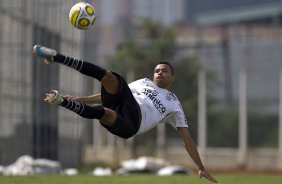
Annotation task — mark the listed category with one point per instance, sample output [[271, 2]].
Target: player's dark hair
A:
[[168, 64]]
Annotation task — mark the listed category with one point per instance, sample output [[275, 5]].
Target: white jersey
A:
[[157, 105]]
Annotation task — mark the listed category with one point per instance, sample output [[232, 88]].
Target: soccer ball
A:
[[82, 15]]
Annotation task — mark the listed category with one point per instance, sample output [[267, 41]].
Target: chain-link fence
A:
[[27, 124]]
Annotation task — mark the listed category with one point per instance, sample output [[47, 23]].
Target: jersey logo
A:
[[170, 96], [152, 95]]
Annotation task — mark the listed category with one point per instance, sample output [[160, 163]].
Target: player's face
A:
[[163, 76]]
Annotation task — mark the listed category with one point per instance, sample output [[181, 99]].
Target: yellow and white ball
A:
[[82, 15]]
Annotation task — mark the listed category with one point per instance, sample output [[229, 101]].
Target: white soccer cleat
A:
[[54, 98], [44, 52]]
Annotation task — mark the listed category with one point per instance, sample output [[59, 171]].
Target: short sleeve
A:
[[177, 119]]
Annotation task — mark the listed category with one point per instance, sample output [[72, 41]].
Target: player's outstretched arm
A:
[[192, 150], [92, 99]]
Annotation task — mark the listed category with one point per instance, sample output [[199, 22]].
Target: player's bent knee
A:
[[109, 77], [110, 82]]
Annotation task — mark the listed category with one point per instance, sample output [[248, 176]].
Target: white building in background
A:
[[167, 12]]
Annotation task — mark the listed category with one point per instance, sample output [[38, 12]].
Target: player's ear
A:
[[172, 78]]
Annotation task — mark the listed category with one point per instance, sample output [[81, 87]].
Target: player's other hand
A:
[[205, 174]]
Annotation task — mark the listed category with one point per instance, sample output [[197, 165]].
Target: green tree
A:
[[149, 45]]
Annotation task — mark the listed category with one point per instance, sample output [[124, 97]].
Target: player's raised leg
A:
[[107, 79]]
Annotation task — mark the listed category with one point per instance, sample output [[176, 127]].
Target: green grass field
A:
[[140, 179]]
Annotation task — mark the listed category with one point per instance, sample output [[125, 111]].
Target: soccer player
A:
[[126, 109]]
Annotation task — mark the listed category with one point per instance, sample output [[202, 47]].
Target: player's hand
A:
[[48, 96], [205, 174]]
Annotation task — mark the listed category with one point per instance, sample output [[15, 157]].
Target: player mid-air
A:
[[125, 109]]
